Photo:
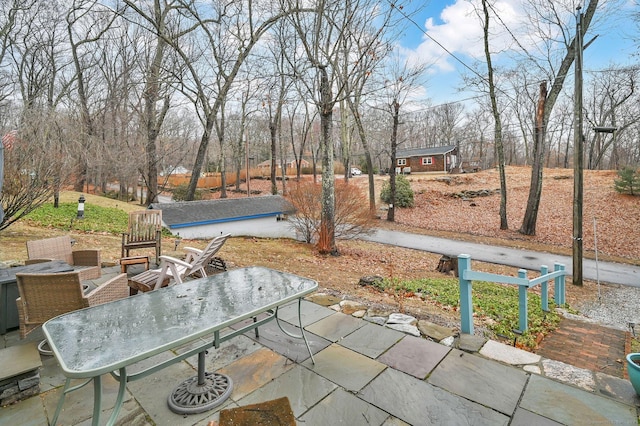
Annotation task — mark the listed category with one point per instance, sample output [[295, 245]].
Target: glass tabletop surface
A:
[[103, 338]]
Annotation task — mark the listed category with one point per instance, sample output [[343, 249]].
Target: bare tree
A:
[[497, 132], [531, 213], [610, 106], [87, 22], [324, 32]]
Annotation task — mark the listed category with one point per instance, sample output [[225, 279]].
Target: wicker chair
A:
[[87, 261], [196, 264], [44, 296]]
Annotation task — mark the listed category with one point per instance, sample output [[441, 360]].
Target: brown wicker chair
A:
[[87, 261], [44, 296]]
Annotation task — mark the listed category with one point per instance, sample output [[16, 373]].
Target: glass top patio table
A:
[[104, 338]]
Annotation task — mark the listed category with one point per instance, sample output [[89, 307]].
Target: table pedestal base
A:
[[191, 397]]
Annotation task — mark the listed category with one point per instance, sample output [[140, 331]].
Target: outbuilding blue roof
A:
[[193, 213]]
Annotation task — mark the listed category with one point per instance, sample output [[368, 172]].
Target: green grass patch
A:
[[494, 305], [97, 219]]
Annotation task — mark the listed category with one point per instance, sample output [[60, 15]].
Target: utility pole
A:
[[578, 157]]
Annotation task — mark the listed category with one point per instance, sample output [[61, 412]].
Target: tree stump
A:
[[447, 264]]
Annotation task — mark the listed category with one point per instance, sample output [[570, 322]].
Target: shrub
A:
[[628, 181], [404, 193], [352, 216]]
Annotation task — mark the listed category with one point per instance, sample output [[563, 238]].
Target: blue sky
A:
[[453, 24]]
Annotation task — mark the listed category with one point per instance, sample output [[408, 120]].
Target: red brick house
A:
[[440, 159]]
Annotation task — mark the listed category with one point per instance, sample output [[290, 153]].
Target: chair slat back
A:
[[144, 225], [207, 253]]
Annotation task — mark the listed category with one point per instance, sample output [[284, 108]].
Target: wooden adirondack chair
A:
[[145, 230]]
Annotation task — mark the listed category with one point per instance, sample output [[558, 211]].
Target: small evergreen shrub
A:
[[404, 193], [628, 181]]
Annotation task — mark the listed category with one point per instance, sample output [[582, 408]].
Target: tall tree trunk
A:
[[367, 155], [273, 134], [498, 123], [392, 171], [154, 119], [535, 189], [327, 240]]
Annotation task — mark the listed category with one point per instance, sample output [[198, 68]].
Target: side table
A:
[[134, 260]]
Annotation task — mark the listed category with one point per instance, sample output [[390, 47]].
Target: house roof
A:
[[417, 152], [193, 213]]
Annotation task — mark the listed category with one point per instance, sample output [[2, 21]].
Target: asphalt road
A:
[[605, 272]]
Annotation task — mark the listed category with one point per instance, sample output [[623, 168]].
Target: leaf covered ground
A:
[[439, 210]]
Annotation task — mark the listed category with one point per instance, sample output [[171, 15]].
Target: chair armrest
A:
[[114, 289], [86, 257], [170, 259], [192, 253], [33, 261]]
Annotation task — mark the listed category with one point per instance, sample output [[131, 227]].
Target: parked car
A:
[[355, 171]]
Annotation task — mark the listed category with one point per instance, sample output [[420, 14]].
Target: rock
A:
[[449, 341], [378, 311], [405, 328], [359, 314], [323, 299], [401, 319], [508, 354], [349, 307], [374, 280], [434, 331], [376, 320], [470, 342]]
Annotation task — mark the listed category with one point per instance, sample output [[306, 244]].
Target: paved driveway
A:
[[607, 272]]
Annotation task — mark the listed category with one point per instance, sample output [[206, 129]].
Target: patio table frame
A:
[[111, 337]]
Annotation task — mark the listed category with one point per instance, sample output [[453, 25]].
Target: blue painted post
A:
[[522, 302], [559, 285], [466, 305], [544, 289]]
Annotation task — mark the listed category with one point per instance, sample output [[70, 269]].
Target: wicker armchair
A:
[[87, 262], [44, 296]]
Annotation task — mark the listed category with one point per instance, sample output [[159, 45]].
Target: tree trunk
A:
[[498, 123], [535, 189], [197, 166], [327, 240], [392, 171], [273, 133]]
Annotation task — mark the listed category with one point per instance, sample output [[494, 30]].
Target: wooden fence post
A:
[[544, 289], [559, 285], [466, 305], [522, 302]]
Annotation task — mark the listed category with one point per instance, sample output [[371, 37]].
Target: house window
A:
[[426, 161], [402, 161]]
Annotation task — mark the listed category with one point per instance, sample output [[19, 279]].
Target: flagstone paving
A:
[[364, 374]]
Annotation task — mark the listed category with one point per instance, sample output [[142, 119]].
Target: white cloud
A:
[[460, 32]]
